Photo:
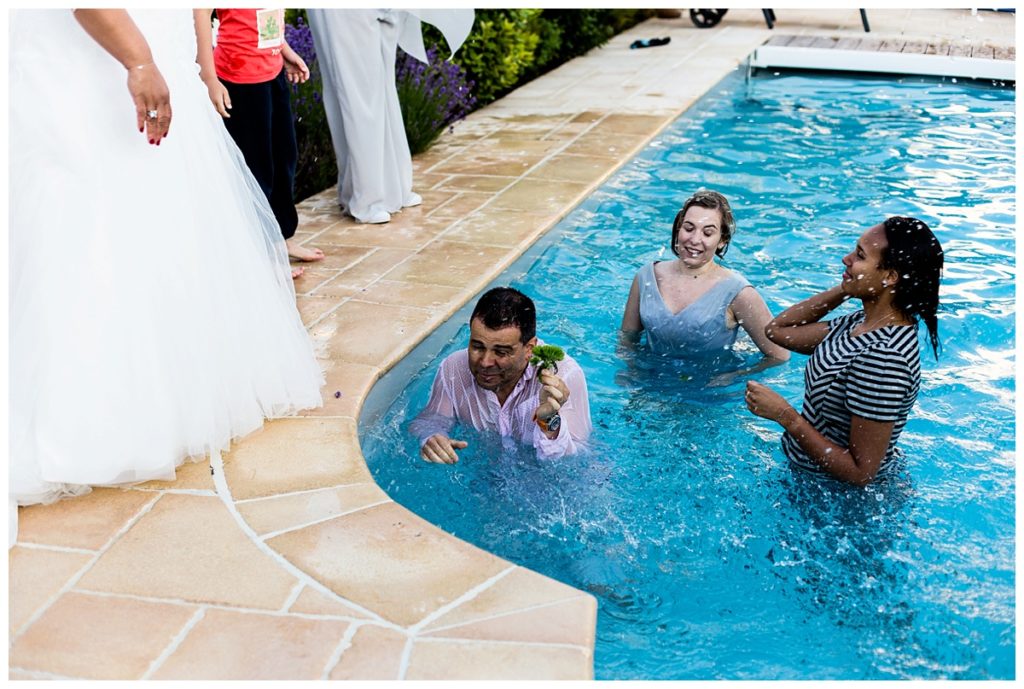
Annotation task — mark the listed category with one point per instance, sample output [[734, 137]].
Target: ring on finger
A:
[[151, 114]]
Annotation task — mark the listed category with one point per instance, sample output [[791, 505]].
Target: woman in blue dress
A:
[[864, 372], [694, 306]]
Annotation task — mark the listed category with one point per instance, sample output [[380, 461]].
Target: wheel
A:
[[705, 19]]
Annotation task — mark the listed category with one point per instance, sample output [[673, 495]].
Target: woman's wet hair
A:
[[916, 255], [504, 307], [714, 201]]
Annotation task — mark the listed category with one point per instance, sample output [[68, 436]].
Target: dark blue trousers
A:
[[261, 124]]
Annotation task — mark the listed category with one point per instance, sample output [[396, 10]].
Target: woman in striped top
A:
[[864, 371]]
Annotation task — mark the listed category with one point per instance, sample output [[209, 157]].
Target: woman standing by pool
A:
[[693, 305], [864, 371]]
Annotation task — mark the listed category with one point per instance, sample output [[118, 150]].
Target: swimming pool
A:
[[709, 557]]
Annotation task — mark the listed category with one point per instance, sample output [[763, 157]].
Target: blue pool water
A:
[[708, 555]]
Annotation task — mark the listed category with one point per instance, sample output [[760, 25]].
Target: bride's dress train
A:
[[152, 313]]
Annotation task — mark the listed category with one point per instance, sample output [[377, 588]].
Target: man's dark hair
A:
[[503, 307]]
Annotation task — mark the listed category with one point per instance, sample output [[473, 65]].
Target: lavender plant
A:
[[316, 168], [433, 96]]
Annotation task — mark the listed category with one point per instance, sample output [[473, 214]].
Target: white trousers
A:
[[356, 51]]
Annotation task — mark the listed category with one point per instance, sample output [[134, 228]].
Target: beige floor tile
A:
[[312, 602], [451, 660], [191, 475], [34, 577], [386, 332], [314, 225], [516, 144], [424, 567], [426, 180], [588, 117], [508, 228], [190, 548], [560, 623], [476, 183], [540, 196], [431, 297], [455, 264], [89, 521], [312, 308], [313, 278], [347, 384], [336, 257], [295, 454], [464, 203], [233, 645], [375, 653], [97, 637], [268, 515], [584, 169], [628, 123], [410, 229], [600, 144], [473, 163], [541, 123], [371, 268], [515, 591]]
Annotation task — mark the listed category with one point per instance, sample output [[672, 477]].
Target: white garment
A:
[[152, 311], [356, 51], [454, 25]]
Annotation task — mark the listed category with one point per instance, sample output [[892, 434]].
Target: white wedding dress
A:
[[152, 312]]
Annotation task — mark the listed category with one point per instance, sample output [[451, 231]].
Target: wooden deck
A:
[[892, 45]]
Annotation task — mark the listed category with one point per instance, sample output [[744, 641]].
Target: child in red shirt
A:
[[248, 73]]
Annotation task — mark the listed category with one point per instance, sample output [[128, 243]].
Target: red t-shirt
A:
[[248, 49]]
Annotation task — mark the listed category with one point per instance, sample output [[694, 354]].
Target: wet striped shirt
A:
[[875, 376]]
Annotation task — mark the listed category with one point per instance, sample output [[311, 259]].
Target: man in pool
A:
[[493, 387]]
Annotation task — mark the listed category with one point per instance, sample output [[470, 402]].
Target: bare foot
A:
[[297, 271], [302, 253]]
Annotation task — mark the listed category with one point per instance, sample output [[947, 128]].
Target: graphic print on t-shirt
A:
[[270, 27]]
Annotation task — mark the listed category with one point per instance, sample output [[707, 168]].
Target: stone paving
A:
[[283, 559]]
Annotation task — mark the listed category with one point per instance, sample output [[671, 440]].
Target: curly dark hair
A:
[[916, 255]]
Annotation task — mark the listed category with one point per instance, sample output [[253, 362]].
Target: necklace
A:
[[708, 267]]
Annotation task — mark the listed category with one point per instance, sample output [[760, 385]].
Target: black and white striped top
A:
[[875, 376]]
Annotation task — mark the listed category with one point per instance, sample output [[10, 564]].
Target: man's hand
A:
[[440, 449], [553, 394]]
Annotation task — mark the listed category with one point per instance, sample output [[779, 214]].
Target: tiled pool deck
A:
[[287, 561]]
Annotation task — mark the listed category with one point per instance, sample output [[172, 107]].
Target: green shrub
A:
[[498, 52], [431, 96], [316, 168]]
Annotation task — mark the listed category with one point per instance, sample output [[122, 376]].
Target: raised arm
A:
[[573, 407], [116, 33], [753, 315], [798, 328]]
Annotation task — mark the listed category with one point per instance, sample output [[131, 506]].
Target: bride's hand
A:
[[152, 101]]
